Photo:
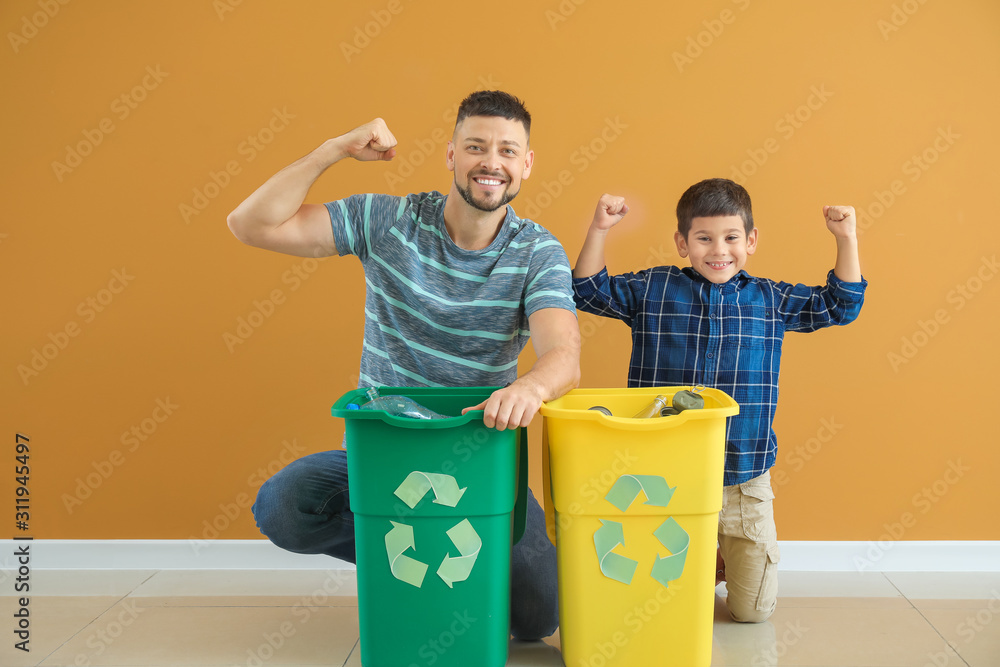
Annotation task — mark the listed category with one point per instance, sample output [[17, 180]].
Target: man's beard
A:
[[466, 193]]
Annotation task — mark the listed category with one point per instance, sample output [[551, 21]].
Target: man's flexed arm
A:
[[274, 216]]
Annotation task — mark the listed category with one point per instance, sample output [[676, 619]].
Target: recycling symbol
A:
[[399, 539], [611, 534]]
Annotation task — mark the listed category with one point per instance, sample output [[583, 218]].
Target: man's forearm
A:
[[280, 197], [555, 372]]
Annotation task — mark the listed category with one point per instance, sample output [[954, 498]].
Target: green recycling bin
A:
[[437, 505]]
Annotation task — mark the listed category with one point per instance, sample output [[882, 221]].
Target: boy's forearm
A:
[[848, 266], [591, 259]]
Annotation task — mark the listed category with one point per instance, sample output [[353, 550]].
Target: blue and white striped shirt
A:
[[439, 315], [687, 331]]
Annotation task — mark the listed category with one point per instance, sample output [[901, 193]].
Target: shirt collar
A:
[[741, 278]]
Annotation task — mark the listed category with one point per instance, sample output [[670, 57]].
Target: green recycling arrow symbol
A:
[[613, 566], [676, 540], [457, 568], [627, 488], [404, 568], [417, 484], [400, 538], [670, 534]]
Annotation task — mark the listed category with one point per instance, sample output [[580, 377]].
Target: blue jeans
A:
[[306, 508]]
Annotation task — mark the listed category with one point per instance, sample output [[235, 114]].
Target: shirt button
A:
[[709, 355], [712, 316]]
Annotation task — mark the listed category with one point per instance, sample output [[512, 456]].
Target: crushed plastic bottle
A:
[[653, 409], [398, 406]]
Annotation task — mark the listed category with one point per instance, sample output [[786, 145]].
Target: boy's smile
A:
[[717, 247]]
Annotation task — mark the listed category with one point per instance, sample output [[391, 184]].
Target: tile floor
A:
[[257, 618]]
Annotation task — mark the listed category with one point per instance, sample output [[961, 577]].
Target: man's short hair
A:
[[713, 197], [494, 103]]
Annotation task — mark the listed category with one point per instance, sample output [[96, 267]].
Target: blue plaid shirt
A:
[[687, 331]]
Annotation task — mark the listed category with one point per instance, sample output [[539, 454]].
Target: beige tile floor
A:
[[297, 617]]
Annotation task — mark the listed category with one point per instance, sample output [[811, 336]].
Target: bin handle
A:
[[521, 504]]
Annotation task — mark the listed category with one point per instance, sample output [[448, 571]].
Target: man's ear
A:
[[682, 246], [752, 241], [449, 156], [529, 160]]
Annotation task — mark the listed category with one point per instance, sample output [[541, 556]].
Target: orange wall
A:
[[194, 104]]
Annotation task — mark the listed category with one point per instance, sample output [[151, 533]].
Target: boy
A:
[[714, 324]]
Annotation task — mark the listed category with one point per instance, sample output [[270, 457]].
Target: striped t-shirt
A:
[[438, 315]]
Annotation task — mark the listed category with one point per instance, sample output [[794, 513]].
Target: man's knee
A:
[[540, 621]]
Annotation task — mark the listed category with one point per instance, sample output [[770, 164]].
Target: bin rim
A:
[[728, 408], [339, 408]]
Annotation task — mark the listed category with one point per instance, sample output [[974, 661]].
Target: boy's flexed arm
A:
[[841, 222], [610, 211], [274, 216]]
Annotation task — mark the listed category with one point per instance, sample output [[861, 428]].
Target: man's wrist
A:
[[330, 152]]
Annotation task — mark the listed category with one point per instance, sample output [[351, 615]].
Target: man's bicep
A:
[[553, 327], [308, 233]]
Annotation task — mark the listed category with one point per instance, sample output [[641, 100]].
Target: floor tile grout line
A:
[[901, 593], [926, 620], [85, 626], [351, 652]]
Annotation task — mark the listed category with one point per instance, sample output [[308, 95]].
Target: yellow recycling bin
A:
[[636, 505]]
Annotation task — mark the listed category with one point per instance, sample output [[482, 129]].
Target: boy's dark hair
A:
[[494, 103], [713, 197]]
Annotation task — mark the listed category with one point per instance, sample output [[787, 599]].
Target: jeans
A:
[[306, 508]]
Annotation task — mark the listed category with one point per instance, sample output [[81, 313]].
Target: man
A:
[[454, 285]]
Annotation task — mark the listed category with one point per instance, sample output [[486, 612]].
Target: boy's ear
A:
[[752, 241], [682, 246]]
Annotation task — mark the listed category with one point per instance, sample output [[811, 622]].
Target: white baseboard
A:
[[164, 555], [882, 556]]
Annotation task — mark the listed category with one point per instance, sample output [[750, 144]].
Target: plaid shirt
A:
[[687, 331]]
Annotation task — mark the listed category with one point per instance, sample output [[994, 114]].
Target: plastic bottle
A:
[[653, 409], [399, 406]]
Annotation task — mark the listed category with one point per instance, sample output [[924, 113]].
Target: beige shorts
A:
[[748, 540]]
